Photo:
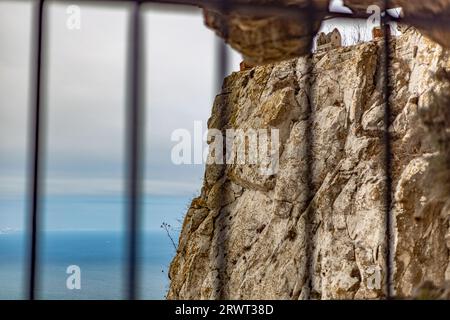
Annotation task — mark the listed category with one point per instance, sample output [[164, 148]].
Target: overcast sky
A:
[[85, 92], [85, 98]]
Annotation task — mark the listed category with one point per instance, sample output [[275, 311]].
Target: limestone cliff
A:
[[245, 236]]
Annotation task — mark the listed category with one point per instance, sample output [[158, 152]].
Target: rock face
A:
[[273, 33], [262, 36], [248, 235]]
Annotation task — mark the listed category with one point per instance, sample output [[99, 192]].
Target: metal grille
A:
[[134, 132]]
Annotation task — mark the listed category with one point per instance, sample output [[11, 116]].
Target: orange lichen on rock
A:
[[378, 32]]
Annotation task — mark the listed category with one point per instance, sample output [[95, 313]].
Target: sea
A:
[[101, 259], [99, 254]]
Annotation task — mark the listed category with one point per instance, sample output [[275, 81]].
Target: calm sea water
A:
[[100, 255]]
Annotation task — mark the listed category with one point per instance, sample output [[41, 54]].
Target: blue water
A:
[[92, 212], [100, 256]]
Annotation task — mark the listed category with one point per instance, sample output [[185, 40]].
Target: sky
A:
[[85, 77], [85, 73]]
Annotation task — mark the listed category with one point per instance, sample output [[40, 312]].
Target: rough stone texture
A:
[[246, 236], [263, 36]]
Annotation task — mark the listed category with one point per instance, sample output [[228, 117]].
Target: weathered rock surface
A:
[[245, 236], [264, 36]]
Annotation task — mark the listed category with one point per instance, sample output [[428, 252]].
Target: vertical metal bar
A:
[[387, 152], [310, 13], [35, 152], [134, 130], [222, 59], [221, 63]]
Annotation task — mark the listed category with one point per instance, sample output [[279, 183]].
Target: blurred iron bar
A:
[[387, 156], [254, 9], [222, 59], [35, 151], [222, 64], [289, 11], [134, 145], [309, 172]]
